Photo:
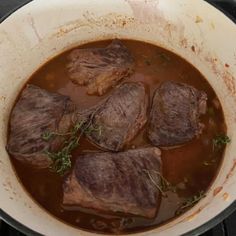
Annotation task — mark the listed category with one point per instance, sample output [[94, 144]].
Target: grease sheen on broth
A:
[[185, 167]]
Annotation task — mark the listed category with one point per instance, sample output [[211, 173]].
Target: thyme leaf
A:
[[190, 202], [220, 141], [47, 135], [60, 161]]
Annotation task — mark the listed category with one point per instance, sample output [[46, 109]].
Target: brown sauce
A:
[[191, 167]]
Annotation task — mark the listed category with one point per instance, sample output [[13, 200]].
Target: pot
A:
[[192, 29]]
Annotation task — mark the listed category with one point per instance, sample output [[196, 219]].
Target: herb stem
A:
[[61, 160], [190, 202], [164, 185], [154, 182]]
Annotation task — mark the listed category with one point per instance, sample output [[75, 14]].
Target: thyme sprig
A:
[[190, 202], [160, 182], [61, 160]]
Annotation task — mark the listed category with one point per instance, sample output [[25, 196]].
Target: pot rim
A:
[[197, 231]]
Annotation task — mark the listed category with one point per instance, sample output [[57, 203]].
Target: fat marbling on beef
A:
[[119, 117], [36, 112], [100, 68], [116, 182], [175, 113]]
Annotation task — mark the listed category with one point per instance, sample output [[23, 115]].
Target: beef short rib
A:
[[115, 182], [36, 112], [119, 117], [100, 68], [175, 112]]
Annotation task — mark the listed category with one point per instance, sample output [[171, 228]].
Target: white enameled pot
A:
[[192, 29]]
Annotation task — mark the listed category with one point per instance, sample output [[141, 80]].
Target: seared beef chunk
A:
[[36, 112], [100, 68], [116, 182], [119, 118], [175, 112]]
